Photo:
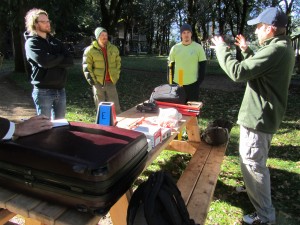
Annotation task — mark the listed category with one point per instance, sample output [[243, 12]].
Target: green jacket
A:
[[267, 73], [93, 63]]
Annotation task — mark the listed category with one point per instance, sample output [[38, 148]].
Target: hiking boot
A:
[[240, 189], [254, 219]]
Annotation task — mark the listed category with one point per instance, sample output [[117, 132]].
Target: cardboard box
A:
[[152, 132], [149, 145], [165, 133]]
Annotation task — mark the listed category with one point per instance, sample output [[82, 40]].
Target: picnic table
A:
[[197, 183]]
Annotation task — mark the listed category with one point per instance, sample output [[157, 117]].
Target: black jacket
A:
[[4, 127], [48, 59]]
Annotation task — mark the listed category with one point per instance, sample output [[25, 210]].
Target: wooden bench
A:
[[197, 183]]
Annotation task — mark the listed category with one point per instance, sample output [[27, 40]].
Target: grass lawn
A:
[[227, 207]]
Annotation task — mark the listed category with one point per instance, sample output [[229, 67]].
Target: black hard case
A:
[[87, 166]]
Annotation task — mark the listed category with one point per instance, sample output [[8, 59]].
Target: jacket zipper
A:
[[105, 60]]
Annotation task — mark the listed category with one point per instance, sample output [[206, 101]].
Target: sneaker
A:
[[240, 189], [254, 219]]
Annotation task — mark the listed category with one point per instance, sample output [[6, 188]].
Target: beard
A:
[[104, 41], [261, 40], [45, 29], [186, 40]]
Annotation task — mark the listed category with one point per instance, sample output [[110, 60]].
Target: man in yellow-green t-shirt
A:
[[187, 60]]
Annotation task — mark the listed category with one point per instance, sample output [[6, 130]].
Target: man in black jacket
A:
[[48, 59]]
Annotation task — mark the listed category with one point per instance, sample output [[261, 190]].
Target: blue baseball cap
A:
[[185, 27], [271, 16]]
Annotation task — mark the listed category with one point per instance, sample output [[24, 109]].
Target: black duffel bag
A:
[[172, 93]]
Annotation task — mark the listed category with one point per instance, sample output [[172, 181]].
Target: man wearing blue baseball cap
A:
[[267, 74]]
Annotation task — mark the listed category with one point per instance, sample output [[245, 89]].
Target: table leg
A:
[[5, 215], [118, 212], [30, 221], [192, 129]]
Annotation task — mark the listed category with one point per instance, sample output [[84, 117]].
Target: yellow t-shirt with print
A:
[[186, 58]]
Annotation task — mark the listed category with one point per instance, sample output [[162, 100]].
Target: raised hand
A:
[[217, 40], [240, 41]]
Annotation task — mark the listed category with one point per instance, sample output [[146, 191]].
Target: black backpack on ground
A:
[[158, 201], [172, 93]]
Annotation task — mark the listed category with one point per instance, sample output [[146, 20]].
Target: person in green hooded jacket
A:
[[267, 74], [101, 67]]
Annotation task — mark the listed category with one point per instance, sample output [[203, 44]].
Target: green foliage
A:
[[213, 67], [80, 105], [228, 206], [141, 87], [157, 64], [173, 162]]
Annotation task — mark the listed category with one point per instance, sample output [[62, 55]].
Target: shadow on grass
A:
[[285, 199], [287, 127], [286, 152], [175, 164]]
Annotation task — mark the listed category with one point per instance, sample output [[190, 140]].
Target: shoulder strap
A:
[[156, 180], [172, 188], [165, 194], [136, 200], [161, 202]]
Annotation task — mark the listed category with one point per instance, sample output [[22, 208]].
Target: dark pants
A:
[[192, 91]]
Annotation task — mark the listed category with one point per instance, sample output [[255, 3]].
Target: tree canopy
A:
[[154, 19]]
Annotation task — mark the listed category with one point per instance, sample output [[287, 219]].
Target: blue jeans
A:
[[50, 102]]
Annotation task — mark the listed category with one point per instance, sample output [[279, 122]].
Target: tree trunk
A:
[[111, 15], [18, 40], [124, 41], [18, 50]]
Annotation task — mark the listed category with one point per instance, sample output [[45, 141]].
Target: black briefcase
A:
[[86, 166]]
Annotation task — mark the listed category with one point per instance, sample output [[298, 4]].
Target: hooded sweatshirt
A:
[[48, 59], [4, 127]]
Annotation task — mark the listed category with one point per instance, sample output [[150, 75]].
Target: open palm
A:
[[241, 42]]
